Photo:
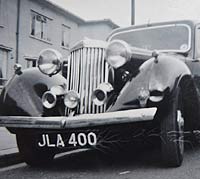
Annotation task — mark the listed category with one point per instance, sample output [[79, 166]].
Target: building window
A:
[[39, 26], [31, 62], [65, 36], [4, 55], [1, 14]]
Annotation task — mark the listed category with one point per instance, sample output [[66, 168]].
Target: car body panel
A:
[[153, 76], [22, 95]]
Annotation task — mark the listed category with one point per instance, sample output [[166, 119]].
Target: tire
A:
[[172, 130], [30, 153]]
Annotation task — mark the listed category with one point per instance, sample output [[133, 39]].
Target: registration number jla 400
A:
[[75, 139]]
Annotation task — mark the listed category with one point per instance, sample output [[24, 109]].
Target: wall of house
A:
[[29, 45], [8, 19]]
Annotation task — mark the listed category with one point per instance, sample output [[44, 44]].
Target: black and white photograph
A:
[[99, 89]]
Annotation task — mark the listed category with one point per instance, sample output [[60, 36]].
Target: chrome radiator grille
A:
[[87, 68]]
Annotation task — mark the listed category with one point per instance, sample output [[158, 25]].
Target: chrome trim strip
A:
[[84, 120], [102, 75], [91, 78], [95, 78], [81, 92], [106, 79], [99, 72], [86, 80], [76, 70]]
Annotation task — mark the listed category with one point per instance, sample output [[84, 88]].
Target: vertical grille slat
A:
[[78, 71], [99, 67], [72, 73], [68, 73], [91, 79], [83, 78], [99, 73], [72, 70], [86, 70], [102, 74], [87, 80], [102, 68], [81, 90], [75, 71], [94, 107]]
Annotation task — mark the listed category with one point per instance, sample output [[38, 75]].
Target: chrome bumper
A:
[[83, 120]]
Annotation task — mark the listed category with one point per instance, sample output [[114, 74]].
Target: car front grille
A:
[[87, 68]]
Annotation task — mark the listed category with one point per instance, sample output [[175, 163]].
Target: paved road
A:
[[7, 141], [143, 164]]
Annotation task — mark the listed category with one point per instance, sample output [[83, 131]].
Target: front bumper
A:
[[83, 120]]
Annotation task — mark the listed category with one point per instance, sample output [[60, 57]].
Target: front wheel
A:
[[30, 153], [172, 129]]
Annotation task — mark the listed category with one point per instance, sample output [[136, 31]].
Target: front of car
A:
[[109, 85], [152, 53]]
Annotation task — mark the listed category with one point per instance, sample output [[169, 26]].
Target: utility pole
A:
[[132, 12], [17, 31]]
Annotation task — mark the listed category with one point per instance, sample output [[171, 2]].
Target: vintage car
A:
[[143, 78]]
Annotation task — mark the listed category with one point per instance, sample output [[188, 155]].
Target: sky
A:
[[116, 10], [119, 11]]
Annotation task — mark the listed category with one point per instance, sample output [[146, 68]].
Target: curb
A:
[[10, 157]]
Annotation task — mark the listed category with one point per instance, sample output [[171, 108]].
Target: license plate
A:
[[62, 140]]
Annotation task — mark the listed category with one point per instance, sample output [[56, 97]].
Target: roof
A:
[[105, 21], [61, 10], [189, 22], [74, 17]]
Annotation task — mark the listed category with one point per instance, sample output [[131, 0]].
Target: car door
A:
[[194, 63]]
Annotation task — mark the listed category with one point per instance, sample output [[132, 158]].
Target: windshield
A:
[[174, 37]]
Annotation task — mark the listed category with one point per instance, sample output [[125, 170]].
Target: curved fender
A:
[[160, 73], [22, 94], [167, 72]]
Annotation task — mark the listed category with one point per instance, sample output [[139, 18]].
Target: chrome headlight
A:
[[100, 95], [49, 62], [118, 53], [49, 99], [57, 90], [71, 99]]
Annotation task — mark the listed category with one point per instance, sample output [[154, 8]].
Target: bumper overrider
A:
[[79, 121]]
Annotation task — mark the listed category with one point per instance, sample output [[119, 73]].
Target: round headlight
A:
[[49, 99], [57, 90], [49, 62], [71, 99], [100, 94], [118, 53]]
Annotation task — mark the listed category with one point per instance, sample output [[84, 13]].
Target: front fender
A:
[[161, 74], [22, 94]]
